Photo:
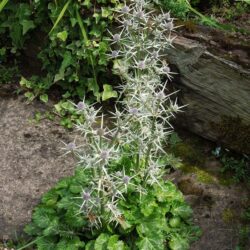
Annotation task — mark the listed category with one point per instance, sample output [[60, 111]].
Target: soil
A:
[[30, 160]]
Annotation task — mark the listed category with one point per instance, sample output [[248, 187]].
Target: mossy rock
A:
[[233, 133]]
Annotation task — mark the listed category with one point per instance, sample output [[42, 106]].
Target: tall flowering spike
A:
[[140, 130]]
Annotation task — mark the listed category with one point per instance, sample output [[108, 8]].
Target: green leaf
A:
[[178, 243], [50, 198], [93, 86], [148, 205], [73, 218], [44, 98], [181, 209], [30, 96], [106, 12], [43, 216], [101, 242], [149, 244], [32, 229], [60, 16], [108, 92], [27, 25], [25, 83], [90, 245], [46, 243], [52, 228], [70, 244], [115, 244], [67, 61], [2, 4], [62, 35]]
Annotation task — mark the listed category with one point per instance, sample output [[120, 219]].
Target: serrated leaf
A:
[[101, 242], [50, 198], [90, 245], [43, 216], [32, 229], [70, 244], [181, 209], [52, 228], [178, 243], [46, 243], [148, 205], [149, 244], [115, 244]]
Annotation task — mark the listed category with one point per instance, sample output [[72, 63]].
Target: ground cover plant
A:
[[118, 198], [73, 45]]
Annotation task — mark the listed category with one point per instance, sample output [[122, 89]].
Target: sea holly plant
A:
[[118, 198]]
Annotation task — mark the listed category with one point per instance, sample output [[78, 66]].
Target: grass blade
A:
[[65, 7], [2, 4]]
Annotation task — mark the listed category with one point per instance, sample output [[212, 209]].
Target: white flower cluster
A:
[[143, 126]]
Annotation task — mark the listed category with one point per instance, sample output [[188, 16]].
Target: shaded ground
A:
[[31, 164], [217, 201]]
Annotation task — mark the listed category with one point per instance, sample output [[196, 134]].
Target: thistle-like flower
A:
[[141, 129]]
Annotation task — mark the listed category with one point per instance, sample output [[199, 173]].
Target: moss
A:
[[188, 154], [228, 215], [233, 133], [226, 181], [201, 175]]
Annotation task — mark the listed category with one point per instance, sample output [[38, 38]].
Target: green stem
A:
[[31, 243], [87, 43]]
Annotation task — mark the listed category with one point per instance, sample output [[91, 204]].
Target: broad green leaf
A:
[[27, 25], [148, 205], [149, 244], [101, 242], [70, 244], [181, 209], [73, 218], [108, 92], [43, 216], [32, 229], [106, 12], [95, 31], [90, 245], [50, 198], [67, 61], [52, 228], [62, 35], [115, 244], [46, 243], [25, 83], [93, 86], [97, 17], [44, 98], [178, 243]]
